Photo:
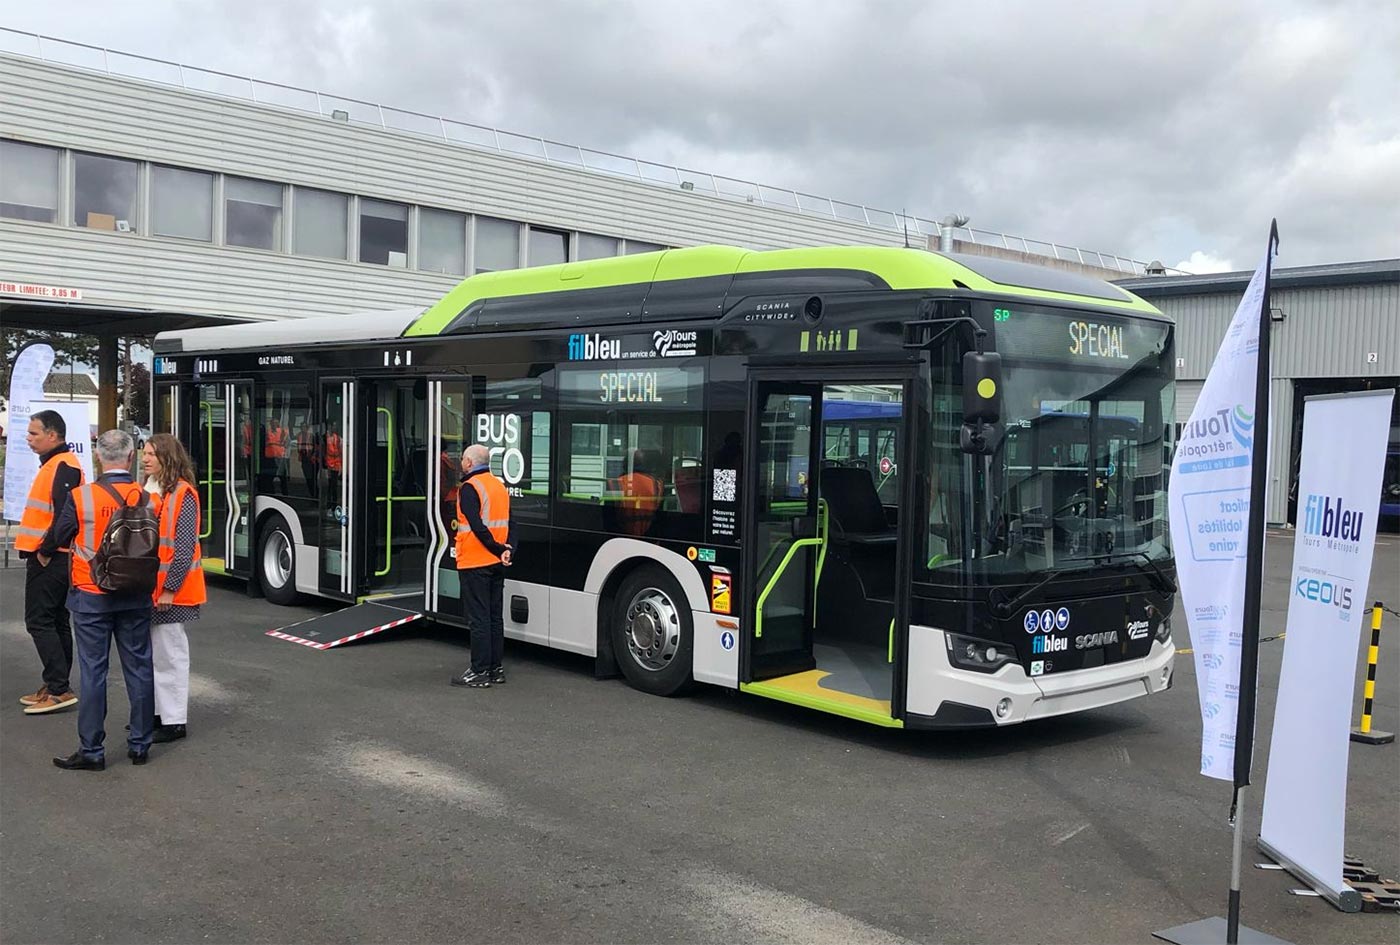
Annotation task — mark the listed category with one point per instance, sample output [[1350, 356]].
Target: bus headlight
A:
[[1164, 630], [983, 656]]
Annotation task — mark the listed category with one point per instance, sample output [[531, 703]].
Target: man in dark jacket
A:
[[46, 561]]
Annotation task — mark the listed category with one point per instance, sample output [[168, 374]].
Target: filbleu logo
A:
[[594, 348], [1046, 644], [1325, 517]]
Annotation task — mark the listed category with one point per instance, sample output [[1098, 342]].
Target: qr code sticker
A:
[[726, 484]]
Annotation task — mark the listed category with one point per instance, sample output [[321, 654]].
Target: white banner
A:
[[1209, 500], [1338, 503], [77, 417], [27, 378]]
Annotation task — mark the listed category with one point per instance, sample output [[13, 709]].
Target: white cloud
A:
[[1201, 263]]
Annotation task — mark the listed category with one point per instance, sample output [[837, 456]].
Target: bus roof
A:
[[878, 267], [356, 326]]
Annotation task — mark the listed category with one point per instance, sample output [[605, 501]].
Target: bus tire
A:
[[653, 635], [277, 562]]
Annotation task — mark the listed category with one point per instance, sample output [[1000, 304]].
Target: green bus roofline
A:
[[900, 269]]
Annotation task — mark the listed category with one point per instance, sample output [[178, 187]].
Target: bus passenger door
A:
[[449, 419], [222, 450], [397, 468], [337, 487], [783, 547]]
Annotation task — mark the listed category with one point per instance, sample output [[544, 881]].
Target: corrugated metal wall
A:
[[65, 107]]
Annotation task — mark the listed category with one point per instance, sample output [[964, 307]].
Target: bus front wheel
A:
[[652, 632], [277, 563]]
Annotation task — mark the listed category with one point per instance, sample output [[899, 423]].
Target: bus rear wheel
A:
[[277, 569], [652, 632]]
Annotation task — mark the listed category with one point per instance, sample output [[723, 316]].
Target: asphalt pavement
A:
[[352, 795]]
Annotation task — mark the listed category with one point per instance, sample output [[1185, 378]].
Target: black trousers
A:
[[483, 603], [46, 618]]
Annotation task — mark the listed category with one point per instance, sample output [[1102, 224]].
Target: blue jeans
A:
[[93, 634]]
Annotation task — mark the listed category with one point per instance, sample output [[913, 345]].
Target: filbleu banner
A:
[[1338, 502], [27, 376], [1209, 502]]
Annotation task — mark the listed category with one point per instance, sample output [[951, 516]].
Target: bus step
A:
[[346, 626]]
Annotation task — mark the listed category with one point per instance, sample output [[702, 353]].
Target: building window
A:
[[252, 213], [319, 219], [637, 246], [548, 248], [104, 193], [182, 203], [383, 233], [497, 245], [442, 241], [28, 182], [596, 247]]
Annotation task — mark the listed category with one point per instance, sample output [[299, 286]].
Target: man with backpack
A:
[[113, 526]]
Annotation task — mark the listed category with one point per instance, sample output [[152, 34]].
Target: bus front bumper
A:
[[943, 696]]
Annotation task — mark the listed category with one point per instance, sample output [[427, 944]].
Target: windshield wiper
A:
[[1005, 608], [1147, 566]]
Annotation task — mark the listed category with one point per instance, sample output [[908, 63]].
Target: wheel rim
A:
[[652, 629], [277, 559]]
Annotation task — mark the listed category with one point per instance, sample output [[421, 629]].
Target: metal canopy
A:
[[103, 321]]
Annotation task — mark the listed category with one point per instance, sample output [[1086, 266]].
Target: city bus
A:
[[916, 489]]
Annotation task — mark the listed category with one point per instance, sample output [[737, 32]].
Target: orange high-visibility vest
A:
[[95, 508], [333, 452], [276, 445], [641, 497], [38, 515], [191, 592], [495, 515], [246, 438]]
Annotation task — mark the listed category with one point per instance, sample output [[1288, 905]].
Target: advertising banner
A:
[[27, 376], [1305, 796], [1209, 501], [77, 418]]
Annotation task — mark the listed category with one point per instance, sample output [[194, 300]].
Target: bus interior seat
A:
[[855, 506], [689, 494]]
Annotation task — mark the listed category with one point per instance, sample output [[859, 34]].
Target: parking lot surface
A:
[[352, 795]]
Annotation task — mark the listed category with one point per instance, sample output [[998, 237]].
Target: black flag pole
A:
[[1253, 590], [1209, 931]]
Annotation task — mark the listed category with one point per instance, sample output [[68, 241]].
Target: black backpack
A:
[[127, 560]]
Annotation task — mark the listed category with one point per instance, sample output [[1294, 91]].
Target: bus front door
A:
[[782, 530]]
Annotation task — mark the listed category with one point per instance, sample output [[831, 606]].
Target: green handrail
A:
[[208, 409], [388, 494], [822, 516], [773, 581], [890, 658]]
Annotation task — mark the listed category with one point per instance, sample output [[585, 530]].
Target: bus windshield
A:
[[1079, 476]]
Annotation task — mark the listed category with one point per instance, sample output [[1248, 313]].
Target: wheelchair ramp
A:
[[346, 626]]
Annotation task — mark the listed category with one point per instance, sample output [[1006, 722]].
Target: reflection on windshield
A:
[[1080, 475]]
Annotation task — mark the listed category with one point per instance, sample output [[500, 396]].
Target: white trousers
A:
[[170, 654]]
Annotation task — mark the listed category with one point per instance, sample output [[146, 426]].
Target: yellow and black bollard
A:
[[1365, 733]]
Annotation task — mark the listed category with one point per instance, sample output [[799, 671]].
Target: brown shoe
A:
[[34, 697], [52, 703]]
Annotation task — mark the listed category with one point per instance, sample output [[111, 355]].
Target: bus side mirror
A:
[[981, 402]]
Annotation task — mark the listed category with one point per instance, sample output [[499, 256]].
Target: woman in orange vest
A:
[[180, 592]]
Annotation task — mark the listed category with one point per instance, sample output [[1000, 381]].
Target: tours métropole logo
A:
[[1219, 440]]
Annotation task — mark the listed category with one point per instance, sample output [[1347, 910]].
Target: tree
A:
[[68, 350], [138, 400]]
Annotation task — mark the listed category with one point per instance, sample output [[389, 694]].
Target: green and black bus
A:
[[916, 489]]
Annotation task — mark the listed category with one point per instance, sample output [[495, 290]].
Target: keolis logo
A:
[[1324, 517]]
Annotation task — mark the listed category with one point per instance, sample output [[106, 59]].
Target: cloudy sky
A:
[[1171, 131]]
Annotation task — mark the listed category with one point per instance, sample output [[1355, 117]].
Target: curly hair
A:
[[175, 462]]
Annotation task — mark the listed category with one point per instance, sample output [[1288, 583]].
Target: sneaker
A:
[[473, 680], [51, 703], [34, 697], [498, 676]]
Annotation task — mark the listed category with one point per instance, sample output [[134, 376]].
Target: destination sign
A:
[[642, 387], [1083, 338]]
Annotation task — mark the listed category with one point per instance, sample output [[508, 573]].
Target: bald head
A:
[[475, 455]]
